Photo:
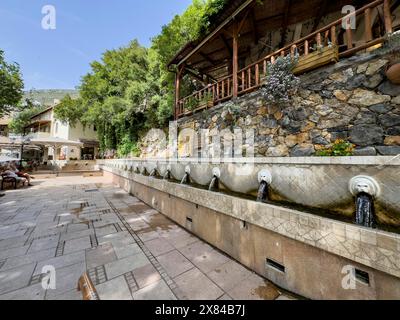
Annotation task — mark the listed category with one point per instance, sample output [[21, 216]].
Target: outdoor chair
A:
[[14, 181]]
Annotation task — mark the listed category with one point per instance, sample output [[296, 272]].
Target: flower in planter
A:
[[281, 83]]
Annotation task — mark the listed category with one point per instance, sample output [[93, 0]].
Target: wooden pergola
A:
[[220, 60]]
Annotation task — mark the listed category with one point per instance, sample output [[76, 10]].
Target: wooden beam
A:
[[387, 16], [198, 76], [235, 47], [177, 88], [195, 76], [242, 22], [254, 26], [226, 44], [285, 21], [217, 30], [207, 58], [368, 25], [321, 12]]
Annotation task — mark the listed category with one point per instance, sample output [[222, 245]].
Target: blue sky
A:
[[57, 59]]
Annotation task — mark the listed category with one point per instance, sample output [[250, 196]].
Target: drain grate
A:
[[93, 241], [119, 227], [130, 280], [60, 249], [98, 275]]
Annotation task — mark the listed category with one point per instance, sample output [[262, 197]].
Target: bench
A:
[[14, 181]]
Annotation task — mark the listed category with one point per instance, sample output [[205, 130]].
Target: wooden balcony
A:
[[324, 46]]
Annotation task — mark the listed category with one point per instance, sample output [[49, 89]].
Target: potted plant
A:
[[392, 46], [319, 57]]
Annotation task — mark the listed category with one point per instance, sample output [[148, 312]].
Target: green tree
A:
[[11, 86], [115, 95], [22, 119], [131, 90], [69, 110]]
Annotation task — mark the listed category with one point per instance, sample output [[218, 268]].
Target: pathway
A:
[[129, 250]]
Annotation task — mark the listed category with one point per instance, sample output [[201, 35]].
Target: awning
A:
[[90, 143], [55, 142], [7, 159]]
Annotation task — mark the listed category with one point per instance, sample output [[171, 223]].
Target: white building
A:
[[45, 125]]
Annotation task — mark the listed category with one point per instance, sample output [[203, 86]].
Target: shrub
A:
[[340, 148], [281, 83]]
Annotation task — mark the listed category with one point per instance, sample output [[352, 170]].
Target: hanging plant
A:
[[281, 83]]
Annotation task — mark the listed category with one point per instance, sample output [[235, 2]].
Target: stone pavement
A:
[[129, 250]]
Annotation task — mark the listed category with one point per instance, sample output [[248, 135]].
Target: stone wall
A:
[[311, 182], [349, 100], [252, 232]]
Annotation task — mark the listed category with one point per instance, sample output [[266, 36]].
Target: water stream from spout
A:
[[365, 213], [153, 173], [214, 185], [186, 179], [263, 192], [167, 175]]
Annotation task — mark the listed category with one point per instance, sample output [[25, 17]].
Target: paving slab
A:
[[196, 286], [100, 256], [155, 291], [28, 258], [77, 245], [35, 292], [254, 288], [158, 247], [175, 263], [228, 275], [204, 256], [128, 264], [115, 289], [61, 262], [126, 251], [146, 275], [16, 278]]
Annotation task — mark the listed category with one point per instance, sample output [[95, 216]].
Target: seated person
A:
[[11, 173], [20, 174]]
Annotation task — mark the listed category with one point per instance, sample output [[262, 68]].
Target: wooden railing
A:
[[331, 36]]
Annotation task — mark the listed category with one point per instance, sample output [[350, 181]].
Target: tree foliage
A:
[[131, 90], [69, 110], [22, 119], [11, 86]]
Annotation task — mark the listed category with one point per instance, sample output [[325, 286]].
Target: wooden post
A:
[[368, 25], [178, 89], [349, 36], [257, 74], [319, 40], [235, 49], [176, 95], [387, 16], [333, 36], [293, 50], [306, 48]]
